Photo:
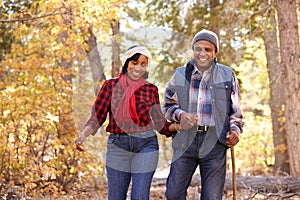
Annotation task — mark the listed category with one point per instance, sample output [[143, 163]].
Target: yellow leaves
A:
[[58, 146], [282, 148], [10, 89], [52, 118], [258, 135], [22, 31], [30, 185], [5, 113], [55, 30], [33, 139], [128, 25], [72, 170], [36, 98]]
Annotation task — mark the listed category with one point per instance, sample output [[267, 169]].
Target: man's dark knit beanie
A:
[[208, 36]]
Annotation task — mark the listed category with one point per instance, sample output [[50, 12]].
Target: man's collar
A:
[[195, 69]]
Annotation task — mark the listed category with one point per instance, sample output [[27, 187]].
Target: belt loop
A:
[[205, 128], [202, 129]]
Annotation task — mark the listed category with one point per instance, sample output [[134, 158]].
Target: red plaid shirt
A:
[[147, 105]]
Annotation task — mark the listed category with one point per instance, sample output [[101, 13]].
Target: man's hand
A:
[[232, 138], [187, 120]]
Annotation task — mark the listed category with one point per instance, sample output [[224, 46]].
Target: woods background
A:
[[54, 56]]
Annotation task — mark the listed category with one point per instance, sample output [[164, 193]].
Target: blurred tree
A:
[[281, 164], [48, 47], [256, 20], [290, 56], [189, 17], [241, 22], [94, 58], [115, 26], [238, 23], [7, 8]]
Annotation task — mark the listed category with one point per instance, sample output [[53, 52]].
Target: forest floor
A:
[[157, 193]]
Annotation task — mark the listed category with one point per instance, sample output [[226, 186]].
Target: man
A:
[[203, 97]]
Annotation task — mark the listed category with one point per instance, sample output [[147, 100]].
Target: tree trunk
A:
[[115, 26], [66, 122], [289, 51], [94, 58], [215, 27], [276, 99]]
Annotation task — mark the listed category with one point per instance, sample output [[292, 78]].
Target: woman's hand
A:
[[79, 140], [174, 127]]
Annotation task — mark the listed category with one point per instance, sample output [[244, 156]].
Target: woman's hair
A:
[[135, 57]]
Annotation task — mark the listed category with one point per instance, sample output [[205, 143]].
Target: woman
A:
[[134, 113]]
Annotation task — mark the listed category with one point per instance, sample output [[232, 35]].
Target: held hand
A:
[[187, 120], [232, 138], [79, 140], [175, 127]]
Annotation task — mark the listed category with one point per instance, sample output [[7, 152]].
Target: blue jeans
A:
[[212, 171], [131, 158]]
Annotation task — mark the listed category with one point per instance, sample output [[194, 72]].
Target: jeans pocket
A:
[[152, 142], [112, 139], [179, 141]]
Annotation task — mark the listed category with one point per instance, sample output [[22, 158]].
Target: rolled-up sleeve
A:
[[236, 117], [160, 123], [100, 108], [93, 122], [170, 106]]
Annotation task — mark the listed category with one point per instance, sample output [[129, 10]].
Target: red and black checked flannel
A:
[[147, 105]]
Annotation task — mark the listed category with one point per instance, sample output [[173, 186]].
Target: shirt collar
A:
[[196, 70]]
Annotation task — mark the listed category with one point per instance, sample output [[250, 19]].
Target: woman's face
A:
[[136, 69]]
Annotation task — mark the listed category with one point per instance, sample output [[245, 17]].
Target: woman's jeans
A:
[[212, 170], [131, 156]]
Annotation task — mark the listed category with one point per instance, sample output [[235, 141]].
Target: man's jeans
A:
[[129, 157], [212, 170]]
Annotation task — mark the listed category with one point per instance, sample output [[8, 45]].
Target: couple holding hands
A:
[[201, 113]]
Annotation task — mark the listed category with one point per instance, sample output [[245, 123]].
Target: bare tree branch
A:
[[31, 18]]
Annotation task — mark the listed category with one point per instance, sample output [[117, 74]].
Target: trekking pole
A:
[[233, 169], [233, 173]]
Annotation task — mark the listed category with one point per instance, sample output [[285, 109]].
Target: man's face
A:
[[204, 54]]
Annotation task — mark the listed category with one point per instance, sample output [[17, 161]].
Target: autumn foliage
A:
[[37, 125], [47, 82]]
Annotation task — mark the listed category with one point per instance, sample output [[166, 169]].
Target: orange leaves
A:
[[36, 102]]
